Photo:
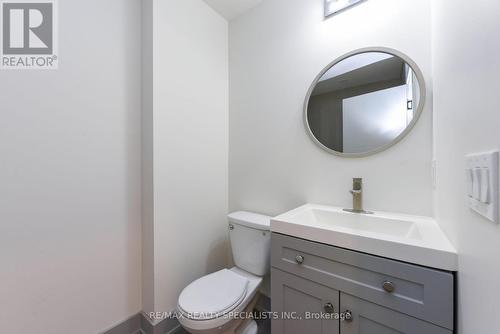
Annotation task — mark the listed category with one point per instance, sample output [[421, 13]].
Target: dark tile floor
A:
[[181, 331], [264, 326]]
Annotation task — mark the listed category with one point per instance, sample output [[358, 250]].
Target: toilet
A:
[[213, 304]]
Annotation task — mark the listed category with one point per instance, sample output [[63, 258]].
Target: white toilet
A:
[[209, 304]]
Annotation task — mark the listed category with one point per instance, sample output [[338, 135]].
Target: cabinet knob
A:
[[299, 259], [388, 286], [347, 316], [329, 308]]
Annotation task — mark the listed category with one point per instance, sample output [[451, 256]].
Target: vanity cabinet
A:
[[372, 295]]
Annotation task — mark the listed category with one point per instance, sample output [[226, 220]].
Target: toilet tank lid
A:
[[250, 219]]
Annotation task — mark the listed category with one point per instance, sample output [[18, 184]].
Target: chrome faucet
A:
[[357, 197]]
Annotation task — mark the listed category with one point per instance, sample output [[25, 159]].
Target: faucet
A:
[[357, 197]]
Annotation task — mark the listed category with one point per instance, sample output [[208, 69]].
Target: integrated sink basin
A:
[[412, 239], [371, 223]]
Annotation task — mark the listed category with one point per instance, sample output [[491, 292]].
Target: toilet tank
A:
[[250, 237]]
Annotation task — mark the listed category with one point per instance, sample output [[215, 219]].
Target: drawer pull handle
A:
[[389, 287], [347, 316], [299, 259], [329, 308]]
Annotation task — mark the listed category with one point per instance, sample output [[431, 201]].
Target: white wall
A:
[[70, 225], [466, 76], [190, 146], [276, 50]]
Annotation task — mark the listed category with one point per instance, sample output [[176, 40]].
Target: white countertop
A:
[[412, 239]]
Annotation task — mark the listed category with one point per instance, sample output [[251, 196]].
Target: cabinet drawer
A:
[[420, 292]]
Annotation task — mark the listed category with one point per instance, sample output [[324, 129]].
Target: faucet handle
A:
[[357, 183]]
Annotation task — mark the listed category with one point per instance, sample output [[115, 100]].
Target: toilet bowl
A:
[[211, 303], [223, 302]]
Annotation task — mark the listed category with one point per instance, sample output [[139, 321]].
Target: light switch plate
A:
[[484, 178]]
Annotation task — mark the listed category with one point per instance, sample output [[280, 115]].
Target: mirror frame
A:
[[403, 134]]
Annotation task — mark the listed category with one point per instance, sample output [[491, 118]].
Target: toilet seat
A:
[[213, 296], [215, 325]]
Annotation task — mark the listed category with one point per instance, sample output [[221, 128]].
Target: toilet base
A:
[[237, 326], [249, 328]]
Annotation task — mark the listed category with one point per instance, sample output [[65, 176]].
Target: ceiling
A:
[[231, 9]]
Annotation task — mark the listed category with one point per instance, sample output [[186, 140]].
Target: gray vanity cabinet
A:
[[297, 299], [383, 296]]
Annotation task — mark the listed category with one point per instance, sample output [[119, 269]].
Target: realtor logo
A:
[[28, 34]]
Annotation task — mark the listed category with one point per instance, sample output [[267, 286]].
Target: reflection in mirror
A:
[[364, 103]]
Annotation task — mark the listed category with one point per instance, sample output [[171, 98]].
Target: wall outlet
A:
[[482, 184]]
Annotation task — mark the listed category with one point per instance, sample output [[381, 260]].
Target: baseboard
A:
[[166, 326], [141, 324], [131, 325]]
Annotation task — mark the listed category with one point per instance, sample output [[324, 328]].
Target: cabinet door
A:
[[302, 306], [369, 318]]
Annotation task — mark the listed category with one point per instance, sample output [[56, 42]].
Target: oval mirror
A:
[[364, 102]]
